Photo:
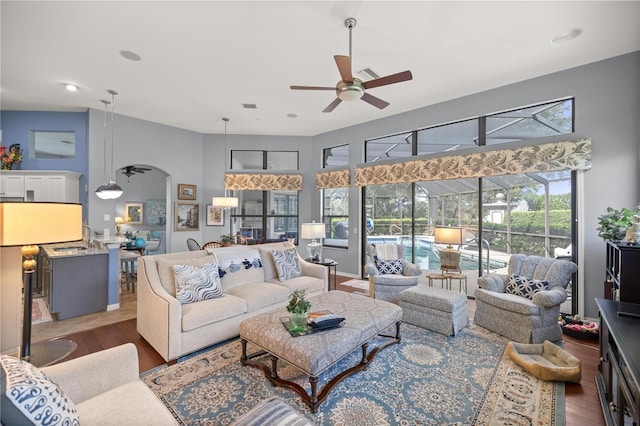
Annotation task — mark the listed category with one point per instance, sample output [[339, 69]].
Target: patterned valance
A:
[[262, 182], [333, 179], [568, 155]]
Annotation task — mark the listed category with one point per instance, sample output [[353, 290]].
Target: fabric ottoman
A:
[[442, 311]]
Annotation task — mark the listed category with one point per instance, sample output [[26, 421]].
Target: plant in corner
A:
[[615, 223], [227, 239], [299, 308]]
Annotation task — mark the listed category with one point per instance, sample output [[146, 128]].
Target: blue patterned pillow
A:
[[287, 264], [196, 283], [525, 287], [30, 397], [389, 266]]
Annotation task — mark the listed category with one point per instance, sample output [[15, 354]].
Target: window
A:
[[335, 201], [265, 216]]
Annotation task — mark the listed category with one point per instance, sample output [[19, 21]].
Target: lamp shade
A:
[[225, 202], [109, 191], [448, 236], [313, 230], [39, 223], [119, 219]]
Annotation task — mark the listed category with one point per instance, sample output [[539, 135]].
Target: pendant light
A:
[[225, 202], [109, 190]]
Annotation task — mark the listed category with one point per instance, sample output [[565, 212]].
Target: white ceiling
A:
[[202, 60]]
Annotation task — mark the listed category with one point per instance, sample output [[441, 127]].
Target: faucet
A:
[[86, 239]]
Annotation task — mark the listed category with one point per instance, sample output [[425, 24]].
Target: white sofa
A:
[[104, 388], [175, 329]]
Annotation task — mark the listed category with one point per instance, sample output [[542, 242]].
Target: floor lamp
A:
[[31, 224]]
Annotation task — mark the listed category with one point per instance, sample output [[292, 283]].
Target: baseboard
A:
[[113, 307]]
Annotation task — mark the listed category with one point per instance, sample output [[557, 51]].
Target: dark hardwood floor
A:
[[582, 402]]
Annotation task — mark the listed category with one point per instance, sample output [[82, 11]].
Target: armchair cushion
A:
[[525, 287], [29, 396], [389, 266], [194, 283]]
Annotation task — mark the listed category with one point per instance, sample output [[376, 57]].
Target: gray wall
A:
[[607, 111]]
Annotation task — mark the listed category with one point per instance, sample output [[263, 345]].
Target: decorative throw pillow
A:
[[389, 266], [525, 287], [30, 397], [195, 283], [287, 264]]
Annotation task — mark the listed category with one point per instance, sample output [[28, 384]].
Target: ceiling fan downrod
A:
[[350, 23]]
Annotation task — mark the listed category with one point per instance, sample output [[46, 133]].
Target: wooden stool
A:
[[128, 261], [444, 278], [460, 277]]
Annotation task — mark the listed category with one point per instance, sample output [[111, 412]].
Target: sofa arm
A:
[[551, 297], [314, 270], [90, 375], [493, 282], [411, 270], [370, 269]]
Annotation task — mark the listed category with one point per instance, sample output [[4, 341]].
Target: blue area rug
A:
[[427, 379]]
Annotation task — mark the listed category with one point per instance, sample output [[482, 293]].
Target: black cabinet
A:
[[622, 281], [619, 380]]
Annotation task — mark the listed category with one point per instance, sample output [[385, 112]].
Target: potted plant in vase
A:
[[227, 240], [298, 309], [614, 224]]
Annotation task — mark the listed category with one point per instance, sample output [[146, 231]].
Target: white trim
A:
[[113, 307], [581, 237]]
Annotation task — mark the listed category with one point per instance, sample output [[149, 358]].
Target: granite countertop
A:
[[73, 248]]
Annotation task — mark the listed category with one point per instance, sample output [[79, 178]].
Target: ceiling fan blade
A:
[[311, 88], [376, 102], [344, 66], [390, 79], [332, 105]]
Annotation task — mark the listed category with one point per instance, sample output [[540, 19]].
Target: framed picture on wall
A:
[[133, 213], [187, 217], [186, 192], [215, 216]]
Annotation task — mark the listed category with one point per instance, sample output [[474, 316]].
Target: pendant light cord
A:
[[113, 93], [105, 102]]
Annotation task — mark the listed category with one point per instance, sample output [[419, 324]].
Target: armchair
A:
[[387, 284], [519, 318]]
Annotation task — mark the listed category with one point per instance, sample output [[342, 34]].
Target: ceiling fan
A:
[[351, 88], [132, 170]]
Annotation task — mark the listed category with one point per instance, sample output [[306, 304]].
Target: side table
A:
[[329, 263]]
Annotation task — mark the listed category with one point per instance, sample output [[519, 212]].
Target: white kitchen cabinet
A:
[[41, 185], [11, 184]]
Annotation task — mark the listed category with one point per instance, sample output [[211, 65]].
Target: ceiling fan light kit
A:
[[351, 88]]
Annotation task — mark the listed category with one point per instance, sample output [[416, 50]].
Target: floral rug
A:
[[427, 379]]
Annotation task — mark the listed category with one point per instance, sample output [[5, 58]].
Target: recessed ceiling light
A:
[[71, 87], [132, 56], [567, 35], [292, 115]]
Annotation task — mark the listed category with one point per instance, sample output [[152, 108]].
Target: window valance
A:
[[333, 179], [568, 155], [262, 182]]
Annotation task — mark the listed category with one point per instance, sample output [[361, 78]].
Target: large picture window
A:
[[335, 201]]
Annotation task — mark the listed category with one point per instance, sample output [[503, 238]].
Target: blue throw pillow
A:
[[287, 264], [389, 266], [525, 287], [194, 283]]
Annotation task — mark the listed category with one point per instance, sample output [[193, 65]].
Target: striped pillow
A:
[[196, 283], [287, 264]]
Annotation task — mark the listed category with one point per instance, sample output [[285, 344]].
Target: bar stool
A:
[[128, 262]]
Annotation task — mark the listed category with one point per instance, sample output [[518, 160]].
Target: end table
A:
[[329, 263]]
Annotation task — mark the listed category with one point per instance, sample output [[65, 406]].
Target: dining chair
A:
[[193, 245]]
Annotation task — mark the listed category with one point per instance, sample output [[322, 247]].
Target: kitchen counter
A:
[[74, 248]]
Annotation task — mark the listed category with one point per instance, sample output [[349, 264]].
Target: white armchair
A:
[[387, 284], [519, 318]]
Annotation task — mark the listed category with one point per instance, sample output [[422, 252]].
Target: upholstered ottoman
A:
[[442, 311]]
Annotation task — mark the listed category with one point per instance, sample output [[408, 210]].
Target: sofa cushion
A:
[[270, 271], [206, 312], [136, 405], [258, 296], [195, 283], [287, 264], [239, 265], [508, 302], [165, 269], [389, 266], [525, 287], [310, 284], [30, 397]]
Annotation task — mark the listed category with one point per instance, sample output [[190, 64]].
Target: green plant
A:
[[615, 223], [227, 239], [298, 303]]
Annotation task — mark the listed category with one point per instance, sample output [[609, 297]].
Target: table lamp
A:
[[119, 221], [448, 236], [28, 225], [311, 231]]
